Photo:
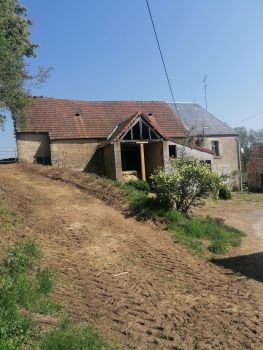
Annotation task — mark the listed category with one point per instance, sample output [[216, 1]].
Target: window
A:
[[199, 141], [172, 151], [215, 148], [207, 162]]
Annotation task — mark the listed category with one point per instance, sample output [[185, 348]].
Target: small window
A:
[[215, 148], [172, 151]]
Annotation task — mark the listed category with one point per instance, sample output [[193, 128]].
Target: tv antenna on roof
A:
[[204, 82]]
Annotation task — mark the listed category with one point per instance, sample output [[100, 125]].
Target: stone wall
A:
[[255, 169], [76, 154], [153, 153], [109, 162], [33, 147], [255, 182]]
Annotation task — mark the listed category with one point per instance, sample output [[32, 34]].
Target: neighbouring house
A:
[[213, 134], [255, 169], [108, 138]]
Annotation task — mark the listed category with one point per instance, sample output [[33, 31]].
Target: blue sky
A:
[[106, 50]]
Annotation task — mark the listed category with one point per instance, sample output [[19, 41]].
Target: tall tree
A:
[[248, 138], [15, 47]]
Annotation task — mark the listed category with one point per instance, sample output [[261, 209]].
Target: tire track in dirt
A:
[[130, 279]]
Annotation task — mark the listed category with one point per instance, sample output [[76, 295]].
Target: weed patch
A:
[[201, 235], [71, 337], [8, 218], [25, 286]]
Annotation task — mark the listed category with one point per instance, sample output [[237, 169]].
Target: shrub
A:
[[139, 185], [186, 184], [224, 193]]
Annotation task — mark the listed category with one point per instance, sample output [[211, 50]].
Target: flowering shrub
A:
[[186, 184]]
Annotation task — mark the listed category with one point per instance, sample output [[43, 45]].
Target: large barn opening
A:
[[130, 157], [141, 149]]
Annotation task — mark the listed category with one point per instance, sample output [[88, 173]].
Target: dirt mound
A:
[[100, 188], [129, 278]]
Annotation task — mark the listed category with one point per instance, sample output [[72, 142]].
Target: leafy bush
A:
[[139, 185], [186, 184], [224, 193]]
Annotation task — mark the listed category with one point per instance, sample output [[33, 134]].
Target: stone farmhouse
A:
[[255, 169], [113, 138], [213, 134]]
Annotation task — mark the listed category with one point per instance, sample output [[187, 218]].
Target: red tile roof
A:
[[73, 119], [255, 163]]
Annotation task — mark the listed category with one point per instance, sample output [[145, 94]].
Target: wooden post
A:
[[142, 162]]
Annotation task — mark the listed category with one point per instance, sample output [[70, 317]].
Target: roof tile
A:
[[66, 119]]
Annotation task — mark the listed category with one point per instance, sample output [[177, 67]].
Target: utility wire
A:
[[161, 54], [251, 117]]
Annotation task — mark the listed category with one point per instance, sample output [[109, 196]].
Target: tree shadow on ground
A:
[[248, 265]]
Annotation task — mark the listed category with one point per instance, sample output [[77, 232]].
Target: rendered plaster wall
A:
[[33, 147], [227, 162], [109, 162], [192, 153], [76, 154]]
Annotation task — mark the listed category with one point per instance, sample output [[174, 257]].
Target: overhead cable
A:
[[162, 57]]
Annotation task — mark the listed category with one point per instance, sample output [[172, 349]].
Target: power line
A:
[[251, 117], [161, 54]]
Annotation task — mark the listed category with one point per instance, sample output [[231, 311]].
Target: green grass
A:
[[68, 336], [15, 329], [8, 218], [247, 197], [26, 286], [202, 235]]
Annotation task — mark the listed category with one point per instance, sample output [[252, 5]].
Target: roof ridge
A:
[[96, 101]]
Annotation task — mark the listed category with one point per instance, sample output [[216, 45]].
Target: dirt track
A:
[[130, 279]]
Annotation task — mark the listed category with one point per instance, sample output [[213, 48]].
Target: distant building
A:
[[108, 138], [213, 134], [255, 169]]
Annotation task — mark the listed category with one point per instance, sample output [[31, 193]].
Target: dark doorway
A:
[[130, 157]]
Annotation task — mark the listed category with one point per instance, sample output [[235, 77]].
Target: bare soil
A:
[[128, 278]]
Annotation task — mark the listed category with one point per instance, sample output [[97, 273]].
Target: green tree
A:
[[186, 184], [248, 138], [15, 47]]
